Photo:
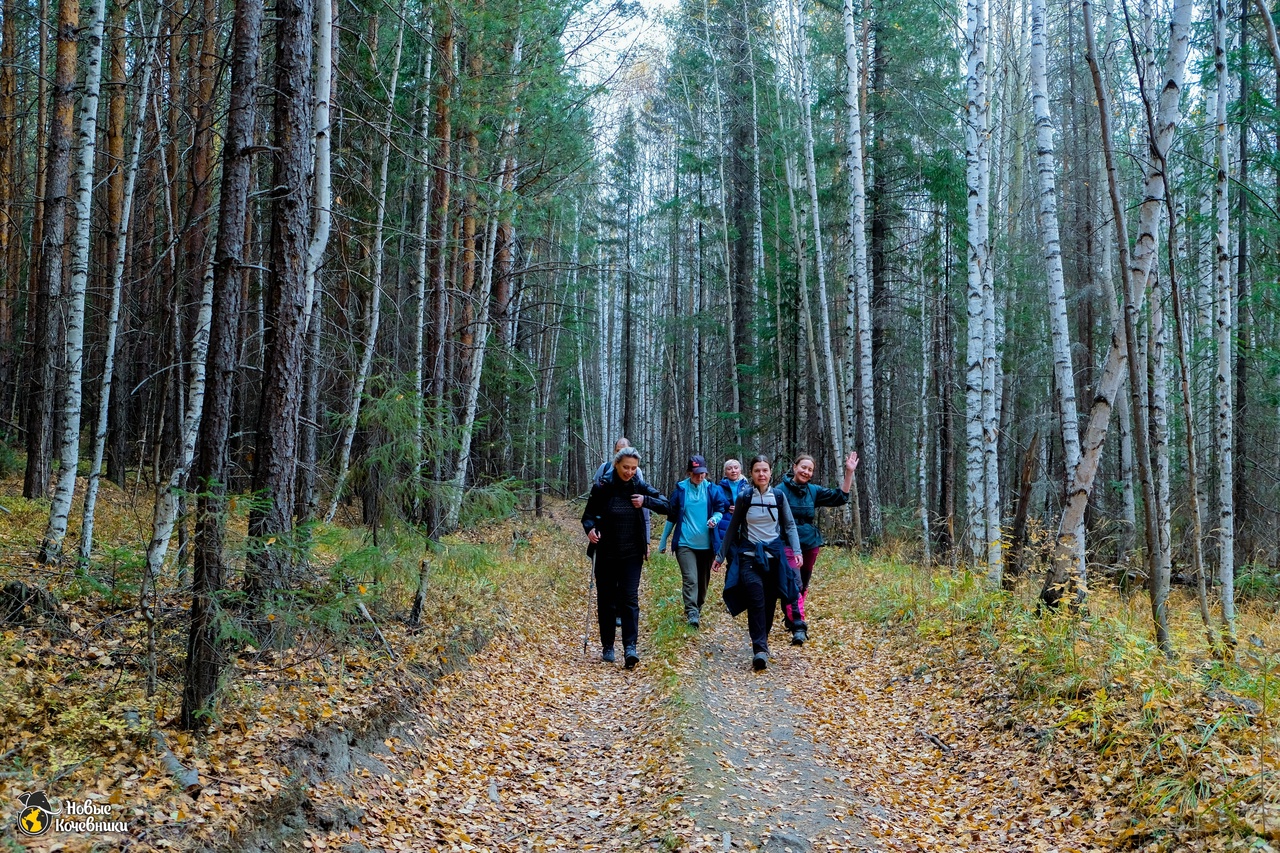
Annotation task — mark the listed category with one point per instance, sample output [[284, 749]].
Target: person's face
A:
[[761, 474], [618, 445], [733, 470], [803, 472], [627, 468], [697, 479]]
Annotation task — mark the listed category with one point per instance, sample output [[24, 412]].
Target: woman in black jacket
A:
[[615, 527]]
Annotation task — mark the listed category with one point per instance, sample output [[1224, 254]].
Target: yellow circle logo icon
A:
[[37, 814]]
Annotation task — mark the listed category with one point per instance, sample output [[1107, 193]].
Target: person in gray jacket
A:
[[760, 572]]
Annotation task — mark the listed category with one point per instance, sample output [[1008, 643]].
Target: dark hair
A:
[[759, 457], [804, 456]]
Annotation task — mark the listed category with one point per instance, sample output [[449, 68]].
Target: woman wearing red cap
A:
[[696, 507]]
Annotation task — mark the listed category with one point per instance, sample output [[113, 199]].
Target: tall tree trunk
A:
[[205, 652], [977, 177], [1060, 581], [60, 508], [271, 566], [8, 226], [1064, 374], [327, 34], [423, 282], [858, 288], [1225, 433], [375, 294], [511, 129], [922, 433], [833, 411], [1172, 291], [1273, 43], [440, 200], [120, 236], [52, 224], [30, 376]]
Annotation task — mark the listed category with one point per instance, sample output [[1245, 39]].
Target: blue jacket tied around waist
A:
[[736, 545]]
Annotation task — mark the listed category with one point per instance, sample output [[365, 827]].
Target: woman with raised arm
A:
[[805, 497], [760, 573], [615, 527]]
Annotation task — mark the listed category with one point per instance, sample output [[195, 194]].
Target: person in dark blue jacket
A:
[[760, 573], [696, 508], [805, 497], [615, 528]]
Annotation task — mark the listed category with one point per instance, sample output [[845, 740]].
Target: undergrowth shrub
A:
[[1180, 739]]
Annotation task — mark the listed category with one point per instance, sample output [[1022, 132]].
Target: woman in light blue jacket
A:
[[696, 507]]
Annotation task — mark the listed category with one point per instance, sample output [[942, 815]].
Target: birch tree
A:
[[51, 225], [983, 529], [832, 419], [858, 285], [1225, 433], [375, 295], [60, 508], [204, 641], [1061, 580], [121, 238], [1064, 376], [510, 130]]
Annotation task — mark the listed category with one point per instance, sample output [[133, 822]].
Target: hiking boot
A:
[[760, 661], [693, 620], [798, 636], [607, 655], [631, 658]]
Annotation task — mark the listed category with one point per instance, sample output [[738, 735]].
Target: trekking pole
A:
[[591, 586]]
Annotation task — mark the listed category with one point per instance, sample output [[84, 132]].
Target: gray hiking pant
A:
[[695, 573]]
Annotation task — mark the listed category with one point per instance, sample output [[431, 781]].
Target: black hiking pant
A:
[[760, 584], [618, 594]]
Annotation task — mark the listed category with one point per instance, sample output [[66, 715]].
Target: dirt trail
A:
[[756, 775], [536, 747], [849, 743]]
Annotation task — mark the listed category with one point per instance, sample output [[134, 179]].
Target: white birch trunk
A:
[[802, 283], [734, 384], [375, 295], [420, 269], [1159, 394], [60, 509], [1224, 379], [858, 287], [833, 418], [511, 129], [121, 238], [922, 435], [1064, 374], [1161, 134], [459, 479], [977, 139], [166, 508], [322, 171], [1272, 42]]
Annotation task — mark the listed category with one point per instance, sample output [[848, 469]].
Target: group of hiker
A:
[[765, 535]]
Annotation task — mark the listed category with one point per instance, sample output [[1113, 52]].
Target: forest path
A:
[[756, 776], [861, 740]]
